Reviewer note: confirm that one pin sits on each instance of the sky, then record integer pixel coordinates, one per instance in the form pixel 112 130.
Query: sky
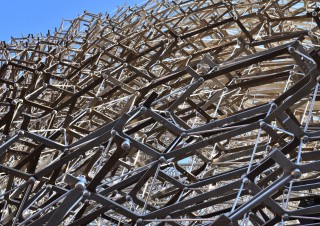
pixel 33 16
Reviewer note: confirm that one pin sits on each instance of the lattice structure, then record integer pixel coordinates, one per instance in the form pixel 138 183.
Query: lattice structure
pixel 170 113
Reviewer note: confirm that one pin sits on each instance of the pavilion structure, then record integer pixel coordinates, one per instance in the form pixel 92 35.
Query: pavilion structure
pixel 192 112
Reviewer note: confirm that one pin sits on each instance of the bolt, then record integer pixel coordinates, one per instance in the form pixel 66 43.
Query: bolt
pixel 14 102
pixel 200 80
pixel 139 221
pixel 66 150
pixel 273 105
pixel 262 124
pixel 183 134
pixel 126 145
pixel 162 159
pixel 246 181
pixel 296 173
pixel 80 186
pixel 32 179
pixel 305 139
pixel 113 132
pixel 291 49
pixel 105 76
pixel 285 216
pixel 86 193
pixel 143 110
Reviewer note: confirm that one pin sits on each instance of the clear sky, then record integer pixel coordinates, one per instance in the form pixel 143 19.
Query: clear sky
pixel 33 16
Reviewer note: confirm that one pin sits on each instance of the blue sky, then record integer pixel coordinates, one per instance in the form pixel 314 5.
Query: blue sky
pixel 33 16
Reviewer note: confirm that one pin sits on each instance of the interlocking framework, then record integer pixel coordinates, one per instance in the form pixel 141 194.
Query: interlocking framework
pixel 178 113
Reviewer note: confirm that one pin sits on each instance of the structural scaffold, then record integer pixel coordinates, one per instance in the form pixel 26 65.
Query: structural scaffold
pixel 193 112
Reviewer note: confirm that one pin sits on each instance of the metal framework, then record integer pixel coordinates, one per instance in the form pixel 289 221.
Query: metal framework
pixel 200 112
